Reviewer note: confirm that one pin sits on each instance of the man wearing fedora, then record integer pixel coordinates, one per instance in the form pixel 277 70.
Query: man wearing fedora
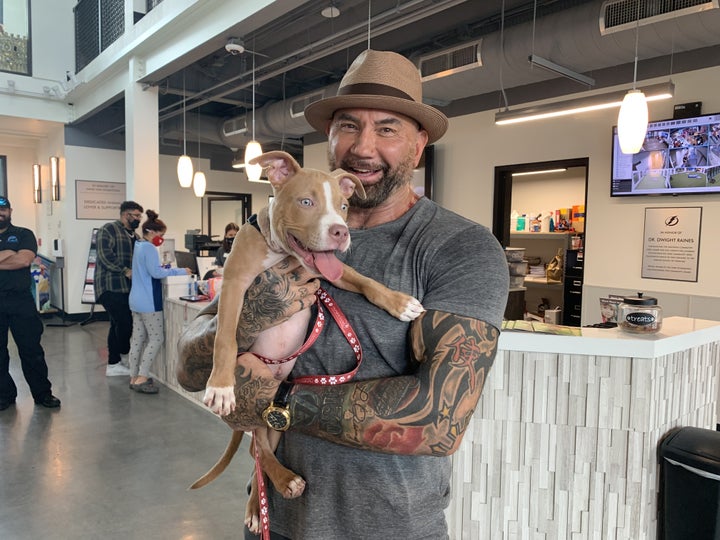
pixel 375 451
pixel 19 315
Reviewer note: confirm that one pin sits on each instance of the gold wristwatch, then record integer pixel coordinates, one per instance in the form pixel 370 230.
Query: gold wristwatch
pixel 277 415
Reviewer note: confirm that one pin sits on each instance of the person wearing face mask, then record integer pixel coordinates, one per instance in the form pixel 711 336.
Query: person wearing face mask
pixel 231 230
pixel 113 274
pixel 146 303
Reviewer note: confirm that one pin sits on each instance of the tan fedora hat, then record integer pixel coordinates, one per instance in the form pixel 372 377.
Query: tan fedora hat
pixel 380 80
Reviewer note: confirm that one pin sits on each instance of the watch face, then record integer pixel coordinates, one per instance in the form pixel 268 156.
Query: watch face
pixel 278 419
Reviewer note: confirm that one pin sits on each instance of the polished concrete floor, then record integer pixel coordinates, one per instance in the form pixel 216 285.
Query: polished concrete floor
pixel 111 463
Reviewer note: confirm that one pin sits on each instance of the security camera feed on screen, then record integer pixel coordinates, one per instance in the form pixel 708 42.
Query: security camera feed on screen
pixel 678 156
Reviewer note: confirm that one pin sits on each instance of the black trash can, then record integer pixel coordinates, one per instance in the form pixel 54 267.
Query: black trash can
pixel 690 485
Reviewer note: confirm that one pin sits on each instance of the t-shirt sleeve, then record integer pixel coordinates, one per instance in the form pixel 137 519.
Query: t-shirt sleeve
pixel 469 276
pixel 28 241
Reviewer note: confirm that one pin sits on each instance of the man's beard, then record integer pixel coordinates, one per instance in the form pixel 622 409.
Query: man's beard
pixel 4 222
pixel 378 193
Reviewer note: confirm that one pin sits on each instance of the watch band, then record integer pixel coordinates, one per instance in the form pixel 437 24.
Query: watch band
pixel 283 394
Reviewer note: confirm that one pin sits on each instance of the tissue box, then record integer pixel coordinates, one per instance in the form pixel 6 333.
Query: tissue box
pixel 177 286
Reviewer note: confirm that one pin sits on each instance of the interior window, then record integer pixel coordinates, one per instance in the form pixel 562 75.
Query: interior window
pixel 15 36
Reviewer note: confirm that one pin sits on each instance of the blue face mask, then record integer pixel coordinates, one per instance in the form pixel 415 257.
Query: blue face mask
pixel 230 240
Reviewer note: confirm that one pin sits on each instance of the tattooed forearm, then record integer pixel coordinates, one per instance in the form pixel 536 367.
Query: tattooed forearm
pixel 426 413
pixel 276 295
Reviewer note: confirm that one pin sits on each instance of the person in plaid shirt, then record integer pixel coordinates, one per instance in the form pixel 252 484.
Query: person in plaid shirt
pixel 113 274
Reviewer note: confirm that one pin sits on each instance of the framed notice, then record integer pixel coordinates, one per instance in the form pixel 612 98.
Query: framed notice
pixel 672 243
pixel 98 200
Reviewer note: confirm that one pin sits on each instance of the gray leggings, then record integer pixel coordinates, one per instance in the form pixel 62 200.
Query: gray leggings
pixel 147 338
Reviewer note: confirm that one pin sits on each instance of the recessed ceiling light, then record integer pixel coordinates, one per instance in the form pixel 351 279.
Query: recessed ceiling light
pixel 330 12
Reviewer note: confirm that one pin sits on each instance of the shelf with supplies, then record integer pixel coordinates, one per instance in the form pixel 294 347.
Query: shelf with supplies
pixel 540 281
pixel 540 248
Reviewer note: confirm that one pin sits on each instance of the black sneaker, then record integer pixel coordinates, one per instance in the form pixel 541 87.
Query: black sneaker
pixel 49 401
pixel 5 403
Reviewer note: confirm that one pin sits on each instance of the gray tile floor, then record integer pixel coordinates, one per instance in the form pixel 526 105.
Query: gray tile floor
pixel 111 463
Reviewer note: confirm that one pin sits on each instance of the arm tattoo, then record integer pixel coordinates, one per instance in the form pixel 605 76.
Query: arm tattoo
pixel 272 299
pixel 424 413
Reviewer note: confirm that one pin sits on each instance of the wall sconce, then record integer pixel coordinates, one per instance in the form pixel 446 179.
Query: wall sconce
pixel 55 178
pixel 37 184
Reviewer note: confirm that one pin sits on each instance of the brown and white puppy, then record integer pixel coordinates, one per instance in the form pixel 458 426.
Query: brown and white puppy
pixel 306 219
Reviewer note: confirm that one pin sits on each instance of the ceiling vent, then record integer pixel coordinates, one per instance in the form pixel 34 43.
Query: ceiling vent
pixel 618 15
pixel 235 126
pixel 450 61
pixel 297 107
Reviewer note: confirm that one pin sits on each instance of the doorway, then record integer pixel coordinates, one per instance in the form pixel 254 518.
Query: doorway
pixel 545 192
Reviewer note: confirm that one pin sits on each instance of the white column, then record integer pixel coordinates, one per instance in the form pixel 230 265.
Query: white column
pixel 142 147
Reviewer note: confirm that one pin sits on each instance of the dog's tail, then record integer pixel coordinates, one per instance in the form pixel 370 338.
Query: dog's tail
pixel 222 463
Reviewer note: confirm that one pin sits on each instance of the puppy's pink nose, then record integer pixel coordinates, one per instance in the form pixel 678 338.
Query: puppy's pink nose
pixel 338 232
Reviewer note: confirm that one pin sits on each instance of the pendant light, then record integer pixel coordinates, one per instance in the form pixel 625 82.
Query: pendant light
pixel 199 182
pixel 253 148
pixel 633 116
pixel 184 165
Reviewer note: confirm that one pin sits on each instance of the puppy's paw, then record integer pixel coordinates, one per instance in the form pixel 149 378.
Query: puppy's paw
pixel 294 488
pixel 221 401
pixel 413 309
pixel 253 523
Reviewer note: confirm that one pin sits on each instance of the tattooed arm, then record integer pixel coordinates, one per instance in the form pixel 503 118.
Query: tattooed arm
pixel 421 414
pixel 275 296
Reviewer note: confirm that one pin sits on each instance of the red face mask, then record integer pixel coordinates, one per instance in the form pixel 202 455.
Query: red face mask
pixel 157 240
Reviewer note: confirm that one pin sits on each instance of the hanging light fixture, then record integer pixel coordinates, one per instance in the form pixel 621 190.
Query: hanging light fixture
pixel 37 184
pixel 253 148
pixel 199 182
pixel 184 165
pixel 55 178
pixel 633 116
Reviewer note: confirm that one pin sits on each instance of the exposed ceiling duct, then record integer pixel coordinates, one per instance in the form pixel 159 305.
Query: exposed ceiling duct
pixel 482 65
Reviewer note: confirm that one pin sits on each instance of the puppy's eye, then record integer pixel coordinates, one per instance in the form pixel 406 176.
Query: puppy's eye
pixel 306 202
pixel 344 207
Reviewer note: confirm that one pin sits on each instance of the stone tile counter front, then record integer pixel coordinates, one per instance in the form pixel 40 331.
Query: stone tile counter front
pixel 563 444
pixel 178 313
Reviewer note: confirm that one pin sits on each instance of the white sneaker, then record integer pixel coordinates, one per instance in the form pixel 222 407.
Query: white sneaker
pixel 125 360
pixel 116 370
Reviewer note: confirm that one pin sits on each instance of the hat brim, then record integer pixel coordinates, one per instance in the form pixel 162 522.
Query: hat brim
pixel 319 113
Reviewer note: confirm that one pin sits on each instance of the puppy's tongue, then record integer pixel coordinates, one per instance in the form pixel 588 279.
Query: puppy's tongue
pixel 327 264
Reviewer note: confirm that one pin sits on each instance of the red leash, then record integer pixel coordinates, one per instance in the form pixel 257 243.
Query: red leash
pixel 349 333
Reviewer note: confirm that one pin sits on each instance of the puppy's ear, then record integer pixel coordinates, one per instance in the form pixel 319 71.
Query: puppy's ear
pixel 280 166
pixel 349 184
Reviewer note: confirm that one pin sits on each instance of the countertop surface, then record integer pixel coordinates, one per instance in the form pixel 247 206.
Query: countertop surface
pixel 676 334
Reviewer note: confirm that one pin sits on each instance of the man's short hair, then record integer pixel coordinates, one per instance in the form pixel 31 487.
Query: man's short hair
pixel 130 205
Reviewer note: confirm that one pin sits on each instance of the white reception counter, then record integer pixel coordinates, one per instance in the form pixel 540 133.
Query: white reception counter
pixel 563 443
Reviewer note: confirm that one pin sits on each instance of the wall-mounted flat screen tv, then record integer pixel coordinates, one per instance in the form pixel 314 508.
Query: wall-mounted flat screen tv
pixel 679 156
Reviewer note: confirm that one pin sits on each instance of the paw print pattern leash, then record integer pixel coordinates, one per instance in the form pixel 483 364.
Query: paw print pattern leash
pixel 325 299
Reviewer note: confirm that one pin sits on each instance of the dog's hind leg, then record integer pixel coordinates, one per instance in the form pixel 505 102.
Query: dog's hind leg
pixel 285 481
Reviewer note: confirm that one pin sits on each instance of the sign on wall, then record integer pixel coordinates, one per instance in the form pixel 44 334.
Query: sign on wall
pixel 98 200
pixel 672 243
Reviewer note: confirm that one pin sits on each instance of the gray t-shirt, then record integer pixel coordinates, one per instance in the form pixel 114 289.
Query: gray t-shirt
pixel 450 264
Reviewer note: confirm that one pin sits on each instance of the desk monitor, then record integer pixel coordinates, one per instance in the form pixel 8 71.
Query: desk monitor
pixel 185 259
